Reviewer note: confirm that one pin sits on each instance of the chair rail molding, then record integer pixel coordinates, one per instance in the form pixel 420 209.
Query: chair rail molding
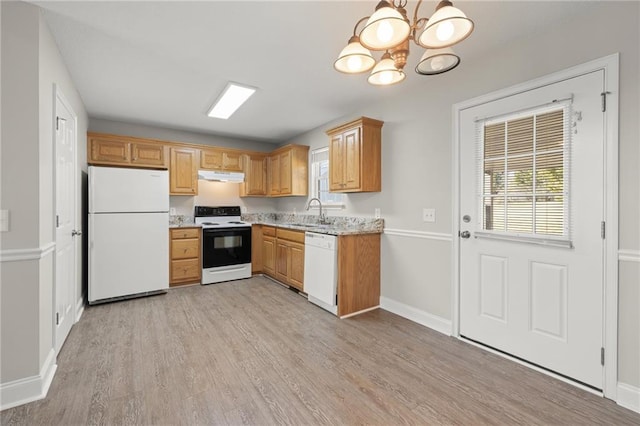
pixel 438 236
pixel 37 253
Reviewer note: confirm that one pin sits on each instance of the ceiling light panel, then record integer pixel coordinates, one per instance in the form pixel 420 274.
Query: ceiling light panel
pixel 233 96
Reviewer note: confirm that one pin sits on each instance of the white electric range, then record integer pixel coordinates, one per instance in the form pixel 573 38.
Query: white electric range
pixel 226 243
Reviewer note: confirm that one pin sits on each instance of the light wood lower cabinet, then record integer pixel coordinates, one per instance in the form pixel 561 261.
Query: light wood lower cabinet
pixel 358 273
pixel 185 251
pixel 269 250
pixel 282 255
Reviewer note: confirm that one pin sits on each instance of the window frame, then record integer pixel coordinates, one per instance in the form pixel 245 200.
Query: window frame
pixel 314 182
pixel 564 240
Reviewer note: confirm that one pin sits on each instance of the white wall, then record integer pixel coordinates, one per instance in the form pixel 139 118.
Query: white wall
pixel 416 159
pixel 31 65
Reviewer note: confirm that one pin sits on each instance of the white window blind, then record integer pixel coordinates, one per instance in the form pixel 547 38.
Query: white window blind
pixel 320 179
pixel 524 162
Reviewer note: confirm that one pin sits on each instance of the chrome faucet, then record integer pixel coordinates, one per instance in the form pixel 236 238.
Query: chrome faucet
pixel 322 218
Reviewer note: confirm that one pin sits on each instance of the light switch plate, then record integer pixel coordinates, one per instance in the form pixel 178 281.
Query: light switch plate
pixel 4 220
pixel 376 213
pixel 172 211
pixel 429 215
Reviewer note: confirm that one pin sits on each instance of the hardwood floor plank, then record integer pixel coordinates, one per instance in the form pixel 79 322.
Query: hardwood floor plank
pixel 252 352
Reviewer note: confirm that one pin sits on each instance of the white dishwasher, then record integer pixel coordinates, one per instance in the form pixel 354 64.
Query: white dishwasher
pixel 321 270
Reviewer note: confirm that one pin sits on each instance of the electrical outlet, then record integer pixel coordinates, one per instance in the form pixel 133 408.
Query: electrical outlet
pixel 172 211
pixel 376 213
pixel 429 215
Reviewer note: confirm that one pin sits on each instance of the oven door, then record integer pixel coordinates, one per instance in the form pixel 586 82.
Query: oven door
pixel 226 246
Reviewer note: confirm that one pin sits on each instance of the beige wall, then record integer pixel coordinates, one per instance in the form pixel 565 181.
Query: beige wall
pixel 31 65
pixel 417 157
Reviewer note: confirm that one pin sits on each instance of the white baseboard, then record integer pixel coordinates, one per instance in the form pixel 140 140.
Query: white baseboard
pixel 628 397
pixel 79 308
pixel 416 315
pixel 29 389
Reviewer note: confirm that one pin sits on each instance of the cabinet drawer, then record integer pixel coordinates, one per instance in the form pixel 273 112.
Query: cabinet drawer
pixel 287 234
pixel 269 230
pixel 185 249
pixel 182 270
pixel 182 233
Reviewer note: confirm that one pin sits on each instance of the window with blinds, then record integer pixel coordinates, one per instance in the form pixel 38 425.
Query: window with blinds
pixel 525 173
pixel 320 179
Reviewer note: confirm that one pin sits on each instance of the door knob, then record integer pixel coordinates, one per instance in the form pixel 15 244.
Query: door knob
pixel 465 234
pixel 75 232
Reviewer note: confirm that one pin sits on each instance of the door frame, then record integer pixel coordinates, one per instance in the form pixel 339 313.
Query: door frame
pixel 59 95
pixel 610 66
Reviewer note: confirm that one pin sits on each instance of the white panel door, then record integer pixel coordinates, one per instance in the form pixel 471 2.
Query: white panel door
pixel 65 201
pixel 113 189
pixel 128 254
pixel 540 299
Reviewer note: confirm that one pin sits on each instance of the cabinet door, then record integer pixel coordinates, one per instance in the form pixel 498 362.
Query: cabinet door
pixel 148 154
pixel 269 255
pixel 255 176
pixel 183 171
pixel 232 161
pixel 285 173
pixel 274 175
pixel 352 153
pixel 296 265
pixel 109 151
pixel 211 159
pixel 336 163
pixel 282 261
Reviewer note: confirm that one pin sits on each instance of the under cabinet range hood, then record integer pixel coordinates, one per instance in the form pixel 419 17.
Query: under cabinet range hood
pixel 216 176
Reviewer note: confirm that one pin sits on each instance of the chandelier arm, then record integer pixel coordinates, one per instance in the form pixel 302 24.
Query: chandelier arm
pixel 415 15
pixel 355 28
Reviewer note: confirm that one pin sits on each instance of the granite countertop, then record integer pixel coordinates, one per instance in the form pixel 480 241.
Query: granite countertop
pixel 337 225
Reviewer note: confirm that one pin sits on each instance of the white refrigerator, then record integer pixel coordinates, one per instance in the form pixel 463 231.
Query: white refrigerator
pixel 128 233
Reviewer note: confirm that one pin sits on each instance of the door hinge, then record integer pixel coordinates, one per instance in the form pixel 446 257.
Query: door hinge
pixel 603 95
pixel 602 356
pixel 603 230
pixel 57 221
pixel 57 318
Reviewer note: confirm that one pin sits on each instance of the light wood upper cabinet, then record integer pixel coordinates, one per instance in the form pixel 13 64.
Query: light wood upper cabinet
pixel 219 159
pixel 126 151
pixel 355 154
pixel 183 171
pixel 288 171
pixel 148 154
pixel 104 150
pixel 255 176
pixel 273 175
pixel 283 172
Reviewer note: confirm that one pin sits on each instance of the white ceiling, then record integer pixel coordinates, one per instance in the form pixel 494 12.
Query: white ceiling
pixel 164 63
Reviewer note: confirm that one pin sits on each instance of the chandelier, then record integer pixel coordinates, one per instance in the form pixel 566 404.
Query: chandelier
pixel 389 30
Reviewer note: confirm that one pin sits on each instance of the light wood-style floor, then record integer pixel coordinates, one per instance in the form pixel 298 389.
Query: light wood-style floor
pixel 253 352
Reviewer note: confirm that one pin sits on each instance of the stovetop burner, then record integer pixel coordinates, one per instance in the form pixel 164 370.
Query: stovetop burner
pixel 237 223
pixel 211 223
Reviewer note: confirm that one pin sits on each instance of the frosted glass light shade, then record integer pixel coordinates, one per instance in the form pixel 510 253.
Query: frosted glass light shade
pixel 354 58
pixel 447 26
pixel 437 61
pixel 385 29
pixel 386 73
